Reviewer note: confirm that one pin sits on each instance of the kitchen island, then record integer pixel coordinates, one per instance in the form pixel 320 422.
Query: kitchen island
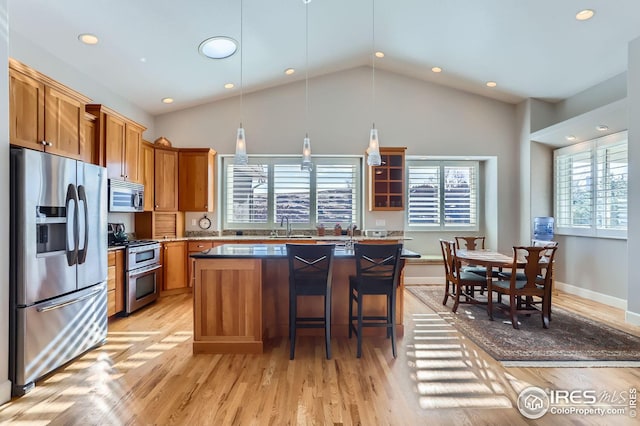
pixel 241 297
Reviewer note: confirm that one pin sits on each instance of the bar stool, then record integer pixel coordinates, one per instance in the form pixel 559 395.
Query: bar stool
pixel 310 267
pixel 377 273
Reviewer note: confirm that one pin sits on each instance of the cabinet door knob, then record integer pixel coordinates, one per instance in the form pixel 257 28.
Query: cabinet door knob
pixel 157 206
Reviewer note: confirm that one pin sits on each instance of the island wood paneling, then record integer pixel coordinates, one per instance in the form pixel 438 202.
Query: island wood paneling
pixel 227 299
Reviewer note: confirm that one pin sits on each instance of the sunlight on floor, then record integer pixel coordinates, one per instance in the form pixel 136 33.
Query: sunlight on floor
pixel 448 373
pixel 97 372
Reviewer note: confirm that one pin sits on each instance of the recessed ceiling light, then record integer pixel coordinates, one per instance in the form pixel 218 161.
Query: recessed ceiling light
pixel 289 71
pixel 167 100
pixel 602 128
pixel 570 138
pixel 436 69
pixel 143 60
pixel 229 86
pixel 218 47
pixel 379 54
pixel 585 15
pixel 88 38
pixel 491 84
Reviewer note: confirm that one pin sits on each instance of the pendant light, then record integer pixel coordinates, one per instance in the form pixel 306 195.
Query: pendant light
pixel 306 143
pixel 373 151
pixel 241 157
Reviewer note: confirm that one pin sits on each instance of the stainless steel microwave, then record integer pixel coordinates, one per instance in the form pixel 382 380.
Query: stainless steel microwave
pixel 125 196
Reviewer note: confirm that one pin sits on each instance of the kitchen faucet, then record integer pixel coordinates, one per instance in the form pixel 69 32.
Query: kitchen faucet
pixel 288 224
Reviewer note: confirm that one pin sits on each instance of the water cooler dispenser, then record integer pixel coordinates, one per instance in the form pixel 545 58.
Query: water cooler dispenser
pixel 543 228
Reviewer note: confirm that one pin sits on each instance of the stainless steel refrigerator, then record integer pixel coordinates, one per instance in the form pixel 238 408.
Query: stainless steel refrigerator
pixel 58 276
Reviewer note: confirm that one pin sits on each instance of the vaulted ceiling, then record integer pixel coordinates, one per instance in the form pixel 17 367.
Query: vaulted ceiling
pixel 148 49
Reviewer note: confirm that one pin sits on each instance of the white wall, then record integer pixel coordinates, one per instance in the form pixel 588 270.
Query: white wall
pixel 48 64
pixel 426 118
pixel 5 385
pixel 633 241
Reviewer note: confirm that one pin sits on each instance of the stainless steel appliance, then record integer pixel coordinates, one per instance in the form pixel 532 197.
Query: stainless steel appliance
pixel 58 258
pixel 125 196
pixel 142 276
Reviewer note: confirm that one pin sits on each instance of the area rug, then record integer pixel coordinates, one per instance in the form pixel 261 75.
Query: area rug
pixel 571 340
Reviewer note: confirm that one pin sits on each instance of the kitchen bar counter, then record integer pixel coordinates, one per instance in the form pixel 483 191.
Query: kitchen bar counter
pixel 241 297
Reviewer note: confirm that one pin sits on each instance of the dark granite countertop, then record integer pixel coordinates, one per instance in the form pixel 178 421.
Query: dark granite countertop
pixel 269 251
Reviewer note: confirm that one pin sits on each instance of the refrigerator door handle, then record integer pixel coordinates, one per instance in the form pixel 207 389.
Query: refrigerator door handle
pixel 72 253
pixel 53 306
pixel 82 253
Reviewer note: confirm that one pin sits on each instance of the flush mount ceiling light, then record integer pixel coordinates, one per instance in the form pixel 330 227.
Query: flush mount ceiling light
pixel 379 54
pixel 88 38
pixel 229 86
pixel 602 128
pixel 585 15
pixel 491 84
pixel 289 71
pixel 218 47
pixel 167 100
pixel 436 69
pixel 570 138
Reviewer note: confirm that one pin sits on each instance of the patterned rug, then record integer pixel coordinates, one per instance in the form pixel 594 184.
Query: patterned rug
pixel 571 339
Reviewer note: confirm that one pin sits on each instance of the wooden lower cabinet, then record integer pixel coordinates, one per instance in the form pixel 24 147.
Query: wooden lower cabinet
pixel 115 282
pixel 227 306
pixel 196 247
pixel 174 266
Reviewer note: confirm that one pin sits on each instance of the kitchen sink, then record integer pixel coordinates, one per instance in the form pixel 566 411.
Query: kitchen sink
pixel 290 237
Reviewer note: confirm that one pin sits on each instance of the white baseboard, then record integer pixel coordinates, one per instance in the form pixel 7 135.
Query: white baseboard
pixel 5 391
pixel 423 280
pixel 632 318
pixel 592 295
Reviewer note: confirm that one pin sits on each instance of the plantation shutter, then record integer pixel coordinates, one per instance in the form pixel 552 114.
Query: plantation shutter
pixel 246 193
pixel 336 193
pixel 612 164
pixel 460 195
pixel 423 195
pixel 291 192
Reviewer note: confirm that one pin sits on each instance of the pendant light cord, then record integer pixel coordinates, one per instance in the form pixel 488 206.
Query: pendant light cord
pixel 306 70
pixel 373 60
pixel 241 56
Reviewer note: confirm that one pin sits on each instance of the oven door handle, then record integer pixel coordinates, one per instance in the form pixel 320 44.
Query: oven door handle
pixel 142 271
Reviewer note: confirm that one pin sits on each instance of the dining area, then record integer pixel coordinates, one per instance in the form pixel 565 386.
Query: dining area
pixel 519 283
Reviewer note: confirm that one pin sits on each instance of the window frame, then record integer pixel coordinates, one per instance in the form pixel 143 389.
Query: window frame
pixel 442 164
pixel 270 161
pixel 593 147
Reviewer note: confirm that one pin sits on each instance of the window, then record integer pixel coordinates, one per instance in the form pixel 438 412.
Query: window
pixel 261 194
pixel 442 195
pixel 590 181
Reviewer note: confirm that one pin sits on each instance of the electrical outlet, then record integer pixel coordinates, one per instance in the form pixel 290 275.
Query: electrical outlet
pixel 381 222
pixel 193 222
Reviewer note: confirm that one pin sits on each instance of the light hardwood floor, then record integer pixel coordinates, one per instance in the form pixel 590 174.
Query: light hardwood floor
pixel 146 374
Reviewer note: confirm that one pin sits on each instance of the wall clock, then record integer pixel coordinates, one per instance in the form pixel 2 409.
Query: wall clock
pixel 204 222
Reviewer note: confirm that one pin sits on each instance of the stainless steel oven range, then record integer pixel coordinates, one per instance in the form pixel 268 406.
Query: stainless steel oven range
pixel 142 274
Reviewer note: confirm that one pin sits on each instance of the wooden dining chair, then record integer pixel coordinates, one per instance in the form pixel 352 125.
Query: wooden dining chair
pixel 459 282
pixel 533 294
pixel 473 243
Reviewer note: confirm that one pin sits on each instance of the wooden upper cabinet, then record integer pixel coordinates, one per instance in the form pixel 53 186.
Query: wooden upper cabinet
pixel 166 180
pixel 114 146
pixel 132 143
pixel 386 181
pixel 147 171
pixel 44 114
pixel 196 167
pixel 118 142
pixel 89 155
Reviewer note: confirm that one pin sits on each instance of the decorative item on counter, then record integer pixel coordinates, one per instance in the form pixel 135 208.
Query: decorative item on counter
pixel 320 229
pixel 337 230
pixel 162 141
